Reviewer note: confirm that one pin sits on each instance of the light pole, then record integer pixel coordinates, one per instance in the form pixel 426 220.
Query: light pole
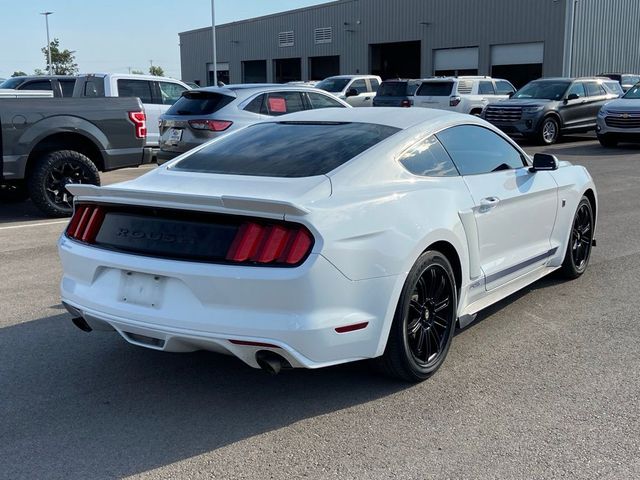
pixel 46 19
pixel 213 35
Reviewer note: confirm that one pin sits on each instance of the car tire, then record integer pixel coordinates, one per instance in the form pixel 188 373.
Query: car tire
pixel 13 192
pixel 608 141
pixel 578 253
pixel 52 172
pixel 549 131
pixel 424 321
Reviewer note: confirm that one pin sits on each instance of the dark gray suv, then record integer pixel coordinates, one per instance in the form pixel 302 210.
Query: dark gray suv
pixel 547 108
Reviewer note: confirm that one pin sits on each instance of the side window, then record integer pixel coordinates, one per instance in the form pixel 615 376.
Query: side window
pixel 170 92
pixel 504 88
pixel 135 88
pixel 281 103
pixel 94 88
pixel 36 85
pixel 374 84
pixel 486 88
pixel 317 100
pixel 594 89
pixel 428 159
pixel 360 86
pixel 477 150
pixel 578 89
pixel 255 105
pixel 67 87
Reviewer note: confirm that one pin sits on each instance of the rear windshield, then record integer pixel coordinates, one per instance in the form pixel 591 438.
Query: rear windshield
pixel 392 89
pixel 286 149
pixel 435 89
pixel 199 103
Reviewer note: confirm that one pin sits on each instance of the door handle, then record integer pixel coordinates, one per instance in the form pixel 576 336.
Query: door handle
pixel 488 203
pixel 367 98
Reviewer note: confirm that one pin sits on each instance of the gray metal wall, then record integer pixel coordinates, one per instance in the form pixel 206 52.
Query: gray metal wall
pixel 606 37
pixel 358 23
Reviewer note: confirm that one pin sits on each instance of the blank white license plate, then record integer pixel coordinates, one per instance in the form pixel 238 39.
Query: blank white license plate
pixel 141 289
pixel 175 135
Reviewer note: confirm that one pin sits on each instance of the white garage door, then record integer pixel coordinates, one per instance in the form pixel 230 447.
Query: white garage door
pixel 517 54
pixel 455 59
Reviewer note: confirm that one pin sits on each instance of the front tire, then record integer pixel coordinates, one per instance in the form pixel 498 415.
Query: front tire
pixel 50 176
pixel 424 322
pixel 549 131
pixel 578 251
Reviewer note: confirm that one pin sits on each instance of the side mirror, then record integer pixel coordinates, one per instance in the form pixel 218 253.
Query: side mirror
pixel 352 92
pixel 544 162
pixel 511 94
pixel 573 96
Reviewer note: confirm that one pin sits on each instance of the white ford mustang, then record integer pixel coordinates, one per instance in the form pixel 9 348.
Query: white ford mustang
pixel 324 237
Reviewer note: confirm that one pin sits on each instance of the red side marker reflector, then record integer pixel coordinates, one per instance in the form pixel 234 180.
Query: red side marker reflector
pixel 253 344
pixel 351 328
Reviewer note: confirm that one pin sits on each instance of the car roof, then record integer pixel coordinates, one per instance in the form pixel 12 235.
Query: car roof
pixel 349 77
pixel 131 76
pixel 43 77
pixel 243 90
pixel 401 118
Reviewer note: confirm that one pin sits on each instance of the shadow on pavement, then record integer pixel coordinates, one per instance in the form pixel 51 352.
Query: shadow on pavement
pixel 77 405
pixel 11 212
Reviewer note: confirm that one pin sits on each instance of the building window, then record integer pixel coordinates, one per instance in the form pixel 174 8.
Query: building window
pixel 285 39
pixel 323 35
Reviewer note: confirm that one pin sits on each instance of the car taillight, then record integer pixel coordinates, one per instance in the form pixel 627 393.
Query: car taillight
pixel 85 223
pixel 270 244
pixel 213 125
pixel 139 120
pixel 405 103
pixel 454 101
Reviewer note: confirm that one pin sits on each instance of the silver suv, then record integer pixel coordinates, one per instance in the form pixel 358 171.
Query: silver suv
pixel 203 114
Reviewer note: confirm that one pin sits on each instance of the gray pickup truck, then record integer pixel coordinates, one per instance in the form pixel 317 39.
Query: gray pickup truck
pixel 46 144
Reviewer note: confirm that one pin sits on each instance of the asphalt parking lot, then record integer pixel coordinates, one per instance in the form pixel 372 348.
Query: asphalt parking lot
pixel 544 385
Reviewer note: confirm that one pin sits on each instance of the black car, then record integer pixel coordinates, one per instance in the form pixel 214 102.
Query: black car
pixel 395 93
pixel 547 108
pixel 60 85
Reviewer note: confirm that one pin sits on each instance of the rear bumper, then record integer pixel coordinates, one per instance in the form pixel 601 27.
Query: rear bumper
pixel 204 306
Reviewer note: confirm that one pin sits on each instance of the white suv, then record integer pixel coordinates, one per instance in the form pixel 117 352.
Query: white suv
pixel 462 94
pixel 356 90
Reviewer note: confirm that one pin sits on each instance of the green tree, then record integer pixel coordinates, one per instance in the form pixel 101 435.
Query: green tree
pixel 37 71
pixel 157 71
pixel 63 62
pixel 19 73
pixel 137 72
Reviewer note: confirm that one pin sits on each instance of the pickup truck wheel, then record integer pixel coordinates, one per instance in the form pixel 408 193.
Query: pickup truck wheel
pixel 549 132
pixel 52 172
pixel 13 192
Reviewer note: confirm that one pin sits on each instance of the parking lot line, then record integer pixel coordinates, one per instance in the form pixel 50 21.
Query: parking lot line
pixel 40 224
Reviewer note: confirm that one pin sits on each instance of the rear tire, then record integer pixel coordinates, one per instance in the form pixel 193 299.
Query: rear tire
pixel 578 253
pixel 424 322
pixel 49 177
pixel 549 131
pixel 608 141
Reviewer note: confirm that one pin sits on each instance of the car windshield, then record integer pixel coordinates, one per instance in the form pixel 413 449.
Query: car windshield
pixel 11 82
pixel 543 90
pixel 333 84
pixel 286 149
pixel 633 93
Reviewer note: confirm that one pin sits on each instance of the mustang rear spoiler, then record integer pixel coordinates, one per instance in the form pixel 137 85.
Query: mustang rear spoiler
pixel 185 201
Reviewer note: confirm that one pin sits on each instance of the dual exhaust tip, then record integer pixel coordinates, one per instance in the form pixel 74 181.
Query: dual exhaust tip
pixel 271 362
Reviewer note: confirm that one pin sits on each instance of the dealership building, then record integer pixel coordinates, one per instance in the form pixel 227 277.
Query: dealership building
pixel 518 40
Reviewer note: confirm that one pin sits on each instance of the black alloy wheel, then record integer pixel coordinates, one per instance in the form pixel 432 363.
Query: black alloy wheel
pixel 580 242
pixel 424 322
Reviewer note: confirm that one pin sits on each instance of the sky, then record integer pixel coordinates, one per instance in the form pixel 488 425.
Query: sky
pixel 113 35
